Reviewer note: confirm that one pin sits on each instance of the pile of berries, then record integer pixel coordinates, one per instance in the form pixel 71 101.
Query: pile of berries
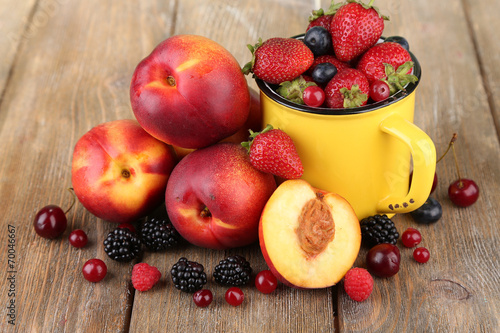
pixel 341 62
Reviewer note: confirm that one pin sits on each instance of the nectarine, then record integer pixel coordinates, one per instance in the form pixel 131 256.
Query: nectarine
pixel 309 238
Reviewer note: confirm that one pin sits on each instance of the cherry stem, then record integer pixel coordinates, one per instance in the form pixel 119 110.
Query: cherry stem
pixel 460 184
pixel 73 201
pixel 453 139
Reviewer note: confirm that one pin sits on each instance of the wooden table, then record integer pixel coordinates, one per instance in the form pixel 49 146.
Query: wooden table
pixel 66 67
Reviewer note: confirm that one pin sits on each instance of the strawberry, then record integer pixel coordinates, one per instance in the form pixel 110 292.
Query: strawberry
pixel 389 62
pixel 279 59
pixel 328 58
pixel 348 89
pixel 355 28
pixel 273 151
pixel 144 276
pixel 294 90
pixel 322 18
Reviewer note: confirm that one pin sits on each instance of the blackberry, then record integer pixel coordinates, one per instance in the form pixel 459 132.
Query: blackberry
pixel 188 276
pixel 378 229
pixel 157 233
pixel 233 271
pixel 122 245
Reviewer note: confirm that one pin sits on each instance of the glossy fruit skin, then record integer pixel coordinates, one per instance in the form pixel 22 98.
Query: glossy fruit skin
pixel 94 270
pixel 321 20
pixel 346 78
pixel 434 182
pixel 313 96
pixel 463 192
pixel 266 282
pixel 339 65
pixel 383 260
pixel 400 40
pixel 203 298
pixel 318 40
pixel 50 222
pixel 128 226
pixel 421 255
pixel 430 212
pixel 78 238
pixel 411 237
pixel 324 72
pixel 379 90
pixel 234 296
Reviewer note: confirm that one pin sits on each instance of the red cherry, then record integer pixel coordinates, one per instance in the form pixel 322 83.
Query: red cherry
pixel 203 298
pixel 78 238
pixel 383 260
pixel 379 90
pixel 313 96
pixel 463 192
pixel 434 182
pixel 234 296
pixel 127 226
pixel 421 255
pixel 411 237
pixel 266 282
pixel 50 222
pixel 94 270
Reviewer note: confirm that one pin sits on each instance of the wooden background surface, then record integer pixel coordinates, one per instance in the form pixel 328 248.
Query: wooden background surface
pixel 66 67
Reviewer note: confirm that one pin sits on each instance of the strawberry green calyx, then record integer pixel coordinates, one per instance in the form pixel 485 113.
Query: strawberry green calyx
pixel 368 6
pixel 334 7
pixel 294 90
pixel 248 144
pixel 249 65
pixel 398 79
pixel 316 14
pixel 353 97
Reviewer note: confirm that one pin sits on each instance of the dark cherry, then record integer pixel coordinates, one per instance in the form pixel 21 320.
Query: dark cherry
pixel 50 222
pixel 383 260
pixel 434 182
pixel 78 238
pixel 400 40
pixel 128 226
pixel 430 212
pixel 379 90
pixel 421 255
pixel 94 270
pixel 203 298
pixel 234 296
pixel 266 282
pixel 318 40
pixel 323 72
pixel 411 237
pixel 463 192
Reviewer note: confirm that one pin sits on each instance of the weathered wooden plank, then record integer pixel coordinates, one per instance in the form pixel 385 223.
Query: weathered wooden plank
pixel 456 290
pixel 71 75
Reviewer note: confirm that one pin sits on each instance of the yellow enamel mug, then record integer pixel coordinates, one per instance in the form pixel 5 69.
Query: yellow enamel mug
pixel 365 154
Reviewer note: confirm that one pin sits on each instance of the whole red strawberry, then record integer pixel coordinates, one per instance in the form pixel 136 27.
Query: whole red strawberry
pixel 321 18
pixel 328 58
pixel 389 62
pixel 279 59
pixel 355 28
pixel 348 89
pixel 144 276
pixel 273 151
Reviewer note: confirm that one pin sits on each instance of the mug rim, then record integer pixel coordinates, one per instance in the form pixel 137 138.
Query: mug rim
pixel 410 88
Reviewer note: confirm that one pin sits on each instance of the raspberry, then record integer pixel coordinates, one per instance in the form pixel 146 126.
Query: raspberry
pixel 358 284
pixel 144 276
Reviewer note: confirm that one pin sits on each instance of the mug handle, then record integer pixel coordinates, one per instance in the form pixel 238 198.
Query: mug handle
pixel 424 165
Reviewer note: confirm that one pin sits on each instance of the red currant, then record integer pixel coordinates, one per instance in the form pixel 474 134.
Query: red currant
pixel 266 282
pixel 127 226
pixel 203 298
pixel 379 90
pixel 78 238
pixel 50 222
pixel 234 296
pixel 94 270
pixel 313 96
pixel 411 237
pixel 463 192
pixel 421 255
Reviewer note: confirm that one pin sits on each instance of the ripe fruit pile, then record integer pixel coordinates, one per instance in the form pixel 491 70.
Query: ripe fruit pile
pixel 342 55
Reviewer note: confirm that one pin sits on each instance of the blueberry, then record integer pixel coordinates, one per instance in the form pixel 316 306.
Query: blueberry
pixel 400 40
pixel 429 212
pixel 324 72
pixel 318 40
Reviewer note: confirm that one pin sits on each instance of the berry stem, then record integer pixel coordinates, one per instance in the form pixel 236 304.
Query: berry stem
pixel 73 200
pixel 371 3
pixel 460 184
pixel 453 139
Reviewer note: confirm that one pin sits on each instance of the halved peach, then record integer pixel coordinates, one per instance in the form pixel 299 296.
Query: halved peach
pixel 309 238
